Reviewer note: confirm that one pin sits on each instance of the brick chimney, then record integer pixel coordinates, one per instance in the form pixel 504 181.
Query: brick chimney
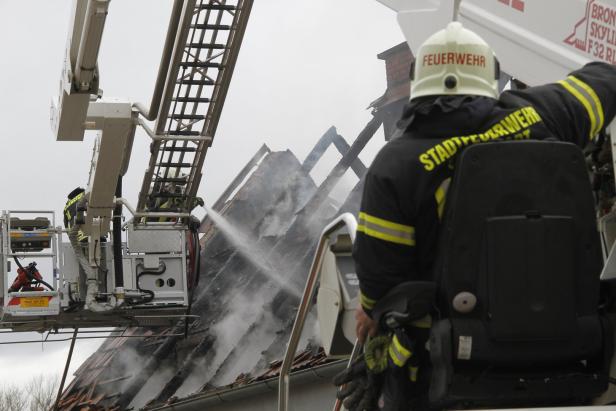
pixel 389 106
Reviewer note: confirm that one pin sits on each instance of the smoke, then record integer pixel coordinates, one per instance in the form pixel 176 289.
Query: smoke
pixel 247 315
pixel 155 384
pixel 246 355
pixel 127 360
pixel 276 220
pixel 344 186
pixel 250 249
pixel 311 334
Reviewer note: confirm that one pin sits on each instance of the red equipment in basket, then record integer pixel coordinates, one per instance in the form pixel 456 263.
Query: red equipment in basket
pixel 25 277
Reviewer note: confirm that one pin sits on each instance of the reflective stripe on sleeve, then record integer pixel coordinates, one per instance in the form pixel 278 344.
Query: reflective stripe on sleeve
pixel 594 99
pixel 366 302
pixel 386 230
pixel 398 353
pixel 589 99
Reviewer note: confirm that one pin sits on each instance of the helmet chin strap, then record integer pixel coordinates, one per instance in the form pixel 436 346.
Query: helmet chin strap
pixel 456 9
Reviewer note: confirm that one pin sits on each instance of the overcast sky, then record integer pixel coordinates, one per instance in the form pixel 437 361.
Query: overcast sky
pixel 305 65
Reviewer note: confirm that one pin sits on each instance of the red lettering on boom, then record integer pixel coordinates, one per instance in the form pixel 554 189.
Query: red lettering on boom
pixel 604 14
pixel 518 5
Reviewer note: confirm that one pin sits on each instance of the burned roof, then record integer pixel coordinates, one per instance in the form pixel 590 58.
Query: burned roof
pixel 247 295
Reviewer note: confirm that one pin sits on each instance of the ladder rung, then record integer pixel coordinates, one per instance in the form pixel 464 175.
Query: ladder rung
pixel 170 180
pixel 174 165
pixel 167 195
pixel 199 64
pixel 183 133
pixel 180 149
pixel 187 116
pixel 191 100
pixel 210 46
pixel 210 27
pixel 164 210
pixel 216 7
pixel 196 82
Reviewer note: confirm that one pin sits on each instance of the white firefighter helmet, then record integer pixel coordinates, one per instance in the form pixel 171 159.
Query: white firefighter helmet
pixel 455 61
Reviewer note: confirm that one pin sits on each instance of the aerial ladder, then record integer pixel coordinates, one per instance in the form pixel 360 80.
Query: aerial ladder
pixel 99 278
pixel 536 42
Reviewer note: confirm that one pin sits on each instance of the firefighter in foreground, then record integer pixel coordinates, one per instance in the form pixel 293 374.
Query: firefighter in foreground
pixel 454 103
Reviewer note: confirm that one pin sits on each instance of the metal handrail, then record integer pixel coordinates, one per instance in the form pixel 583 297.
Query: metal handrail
pixel 346 219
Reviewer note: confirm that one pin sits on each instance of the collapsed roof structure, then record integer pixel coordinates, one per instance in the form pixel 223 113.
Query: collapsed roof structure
pixel 257 244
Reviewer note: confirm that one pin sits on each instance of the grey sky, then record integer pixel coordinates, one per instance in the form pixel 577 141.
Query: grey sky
pixel 304 66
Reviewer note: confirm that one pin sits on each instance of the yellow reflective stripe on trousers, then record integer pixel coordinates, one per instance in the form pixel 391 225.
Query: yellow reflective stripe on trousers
pixel 413 371
pixel 589 99
pixel 423 322
pixel 81 236
pixel 398 353
pixel 366 302
pixel 386 230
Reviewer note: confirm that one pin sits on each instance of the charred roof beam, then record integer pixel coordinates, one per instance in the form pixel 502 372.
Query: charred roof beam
pixel 330 137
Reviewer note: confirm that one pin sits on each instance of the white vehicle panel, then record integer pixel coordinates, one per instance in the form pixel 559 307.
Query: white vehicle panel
pixel 536 41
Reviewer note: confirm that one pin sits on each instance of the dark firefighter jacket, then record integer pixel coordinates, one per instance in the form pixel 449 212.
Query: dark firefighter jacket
pixel 405 187
pixel 70 210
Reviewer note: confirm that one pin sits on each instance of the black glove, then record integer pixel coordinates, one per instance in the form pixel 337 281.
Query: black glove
pixel 376 353
pixel 385 356
pixel 198 201
pixel 358 387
